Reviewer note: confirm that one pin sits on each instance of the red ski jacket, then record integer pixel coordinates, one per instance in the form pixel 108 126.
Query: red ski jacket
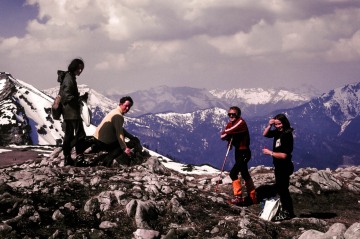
pixel 239 132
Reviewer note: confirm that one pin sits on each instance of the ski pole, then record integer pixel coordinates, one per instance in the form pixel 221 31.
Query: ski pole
pixel 222 169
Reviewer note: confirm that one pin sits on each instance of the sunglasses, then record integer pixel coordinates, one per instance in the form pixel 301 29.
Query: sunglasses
pixel 231 115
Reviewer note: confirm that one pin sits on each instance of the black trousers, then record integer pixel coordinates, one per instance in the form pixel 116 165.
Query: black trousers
pixel 74 137
pixel 282 182
pixel 242 158
pixel 114 150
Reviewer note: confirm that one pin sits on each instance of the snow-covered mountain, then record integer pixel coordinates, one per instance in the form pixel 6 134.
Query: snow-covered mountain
pixel 326 132
pixel 252 102
pixel 326 127
pixel 258 96
pixel 171 99
pixel 25 114
pixel 164 99
pixel 342 105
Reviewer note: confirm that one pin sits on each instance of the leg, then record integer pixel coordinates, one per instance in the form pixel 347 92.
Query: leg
pixel 67 144
pixel 236 183
pixel 282 182
pixel 244 156
pixel 111 156
pixel 79 140
pixel 234 175
pixel 113 150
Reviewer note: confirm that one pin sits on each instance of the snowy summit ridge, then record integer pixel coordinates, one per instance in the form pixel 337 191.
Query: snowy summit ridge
pixel 259 96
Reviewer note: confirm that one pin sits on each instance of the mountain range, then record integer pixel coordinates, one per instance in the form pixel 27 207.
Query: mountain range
pixel 253 101
pixel 184 123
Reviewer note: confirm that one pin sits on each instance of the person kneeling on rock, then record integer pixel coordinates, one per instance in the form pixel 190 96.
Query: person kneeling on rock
pixel 110 135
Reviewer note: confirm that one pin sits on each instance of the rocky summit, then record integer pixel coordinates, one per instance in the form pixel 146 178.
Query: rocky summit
pixel 42 198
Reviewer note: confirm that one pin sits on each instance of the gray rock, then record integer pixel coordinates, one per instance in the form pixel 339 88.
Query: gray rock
pixel 142 211
pixel 92 206
pixel 166 189
pixel 122 200
pixel 311 234
pixel 154 165
pixel 4 228
pixel 146 234
pixel 326 181
pixel 95 181
pixel 177 208
pixel 107 225
pixel 336 231
pixel 353 232
pixel 57 215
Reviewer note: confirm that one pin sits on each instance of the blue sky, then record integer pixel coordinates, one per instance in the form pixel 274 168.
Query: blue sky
pixel 14 17
pixel 213 44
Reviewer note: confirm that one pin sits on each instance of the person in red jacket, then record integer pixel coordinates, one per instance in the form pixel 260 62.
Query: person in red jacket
pixel 236 132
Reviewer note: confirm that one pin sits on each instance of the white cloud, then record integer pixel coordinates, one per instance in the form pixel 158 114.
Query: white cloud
pixel 345 49
pixel 200 43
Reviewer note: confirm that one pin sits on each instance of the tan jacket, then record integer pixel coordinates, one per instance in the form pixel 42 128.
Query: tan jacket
pixel 111 128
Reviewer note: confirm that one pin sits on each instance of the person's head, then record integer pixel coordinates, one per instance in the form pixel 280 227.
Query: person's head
pixel 282 123
pixel 125 104
pixel 76 66
pixel 234 113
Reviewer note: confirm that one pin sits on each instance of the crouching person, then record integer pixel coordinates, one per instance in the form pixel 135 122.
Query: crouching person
pixel 110 134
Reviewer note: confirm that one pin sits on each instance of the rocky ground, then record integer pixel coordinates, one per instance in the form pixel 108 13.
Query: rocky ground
pixel 40 198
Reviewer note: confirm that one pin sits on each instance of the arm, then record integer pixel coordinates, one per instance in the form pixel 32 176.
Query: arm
pixel 286 147
pixel 128 135
pixel 239 127
pixel 273 154
pixel 268 127
pixel 118 122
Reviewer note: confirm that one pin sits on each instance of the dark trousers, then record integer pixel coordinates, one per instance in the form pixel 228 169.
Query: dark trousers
pixel 114 150
pixel 282 182
pixel 242 157
pixel 74 137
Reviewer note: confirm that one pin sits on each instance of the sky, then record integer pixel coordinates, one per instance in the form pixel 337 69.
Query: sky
pixel 131 45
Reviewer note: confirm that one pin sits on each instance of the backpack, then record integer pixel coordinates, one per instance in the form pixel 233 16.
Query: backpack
pixel 56 108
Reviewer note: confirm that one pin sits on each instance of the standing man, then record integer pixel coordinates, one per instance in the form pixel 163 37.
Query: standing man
pixel 110 134
pixel 236 132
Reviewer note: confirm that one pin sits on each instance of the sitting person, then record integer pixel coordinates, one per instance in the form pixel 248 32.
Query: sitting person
pixel 110 135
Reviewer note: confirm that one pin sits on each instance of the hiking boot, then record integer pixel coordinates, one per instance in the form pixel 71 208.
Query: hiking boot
pixel 283 215
pixel 81 162
pixel 250 188
pixel 236 184
pixel 238 201
pixel 68 161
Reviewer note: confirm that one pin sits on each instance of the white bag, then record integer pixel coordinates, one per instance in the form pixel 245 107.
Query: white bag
pixel 271 207
pixel 85 113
